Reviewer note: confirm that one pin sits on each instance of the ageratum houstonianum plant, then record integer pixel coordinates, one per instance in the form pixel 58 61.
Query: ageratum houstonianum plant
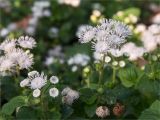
pixel 107 37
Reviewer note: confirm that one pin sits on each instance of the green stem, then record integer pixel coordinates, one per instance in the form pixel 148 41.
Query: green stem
pixel 44 105
pixel 101 71
pixel 88 82
pixel 114 76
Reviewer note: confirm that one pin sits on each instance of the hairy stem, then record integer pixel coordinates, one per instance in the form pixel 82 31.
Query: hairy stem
pixel 101 71
pixel 44 104
pixel 114 75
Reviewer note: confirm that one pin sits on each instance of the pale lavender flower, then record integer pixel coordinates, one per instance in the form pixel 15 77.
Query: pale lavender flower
pixel 26 42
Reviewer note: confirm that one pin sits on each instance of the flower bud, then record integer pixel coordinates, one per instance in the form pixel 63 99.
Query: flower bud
pixel 102 111
pixel 118 109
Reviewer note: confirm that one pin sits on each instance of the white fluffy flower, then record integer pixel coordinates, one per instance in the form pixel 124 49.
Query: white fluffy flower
pixel 36 93
pixel 15 54
pixel 151 37
pixel 24 82
pixel 101 46
pixel 8 45
pixel 25 60
pixel 26 42
pixel 37 81
pixel 54 79
pixel 133 51
pixel 85 33
pixel 109 34
pixel 154 29
pixel 54 92
pixel 6 63
pixel 21 58
pixel 69 95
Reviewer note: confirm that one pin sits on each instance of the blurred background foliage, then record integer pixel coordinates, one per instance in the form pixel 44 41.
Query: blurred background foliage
pixel 65 20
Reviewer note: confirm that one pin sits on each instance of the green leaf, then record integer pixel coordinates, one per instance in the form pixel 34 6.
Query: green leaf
pixel 152 113
pixel 88 95
pixel 15 102
pixel 90 110
pixel 133 11
pixel 149 87
pixel 5 117
pixel 56 116
pixel 26 113
pixel 129 76
pixel 66 111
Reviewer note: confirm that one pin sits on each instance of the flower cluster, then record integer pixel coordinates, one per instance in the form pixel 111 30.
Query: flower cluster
pixel 37 81
pixel 69 95
pixel 78 60
pixel 151 37
pixel 134 52
pixel 107 36
pixel 16 54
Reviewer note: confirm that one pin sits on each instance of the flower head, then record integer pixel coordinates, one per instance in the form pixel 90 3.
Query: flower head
pixel 6 63
pixel 85 33
pixel 25 61
pixel 37 81
pixel 69 95
pixel 8 45
pixel 26 42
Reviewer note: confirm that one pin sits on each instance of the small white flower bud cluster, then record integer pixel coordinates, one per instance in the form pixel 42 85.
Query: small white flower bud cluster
pixel 108 60
pixel 120 63
pixel 16 54
pixel 36 81
pixel 78 60
pixel 69 95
